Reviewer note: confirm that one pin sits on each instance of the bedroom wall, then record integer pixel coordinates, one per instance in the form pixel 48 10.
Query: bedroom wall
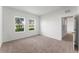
pixel 51 24
pixel 9 24
pixel 0 26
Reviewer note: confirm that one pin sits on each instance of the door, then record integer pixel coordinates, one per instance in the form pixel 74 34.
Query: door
pixel 77 32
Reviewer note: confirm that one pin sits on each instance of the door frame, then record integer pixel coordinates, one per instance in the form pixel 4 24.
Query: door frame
pixel 64 26
pixel 76 39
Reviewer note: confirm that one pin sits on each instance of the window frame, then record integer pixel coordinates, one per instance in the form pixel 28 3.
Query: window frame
pixel 15 24
pixel 32 18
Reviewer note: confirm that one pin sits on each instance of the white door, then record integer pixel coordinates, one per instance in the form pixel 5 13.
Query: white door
pixel 77 31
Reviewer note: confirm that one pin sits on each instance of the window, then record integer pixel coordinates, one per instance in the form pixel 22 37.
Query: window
pixel 31 25
pixel 19 24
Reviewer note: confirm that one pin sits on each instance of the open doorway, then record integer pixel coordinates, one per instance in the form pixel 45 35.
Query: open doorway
pixel 67 28
pixel 70 26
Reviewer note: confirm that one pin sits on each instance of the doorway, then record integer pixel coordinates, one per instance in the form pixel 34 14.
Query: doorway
pixel 67 28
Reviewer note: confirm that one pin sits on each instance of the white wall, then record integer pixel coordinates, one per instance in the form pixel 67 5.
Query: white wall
pixel 9 24
pixel 0 26
pixel 51 25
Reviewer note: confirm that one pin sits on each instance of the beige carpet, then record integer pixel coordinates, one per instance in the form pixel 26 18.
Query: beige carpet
pixel 37 44
pixel 68 37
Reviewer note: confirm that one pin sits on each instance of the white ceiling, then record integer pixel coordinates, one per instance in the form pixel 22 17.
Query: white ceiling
pixel 38 10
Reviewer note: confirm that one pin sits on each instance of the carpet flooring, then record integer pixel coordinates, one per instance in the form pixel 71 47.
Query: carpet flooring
pixel 37 44
pixel 68 37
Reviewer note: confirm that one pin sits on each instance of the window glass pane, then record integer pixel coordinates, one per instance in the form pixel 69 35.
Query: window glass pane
pixel 31 25
pixel 19 24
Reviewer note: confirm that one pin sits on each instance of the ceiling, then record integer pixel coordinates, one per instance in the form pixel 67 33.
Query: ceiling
pixel 37 10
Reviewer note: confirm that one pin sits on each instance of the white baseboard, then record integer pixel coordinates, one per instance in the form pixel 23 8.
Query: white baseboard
pixel 51 36
pixel 20 38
